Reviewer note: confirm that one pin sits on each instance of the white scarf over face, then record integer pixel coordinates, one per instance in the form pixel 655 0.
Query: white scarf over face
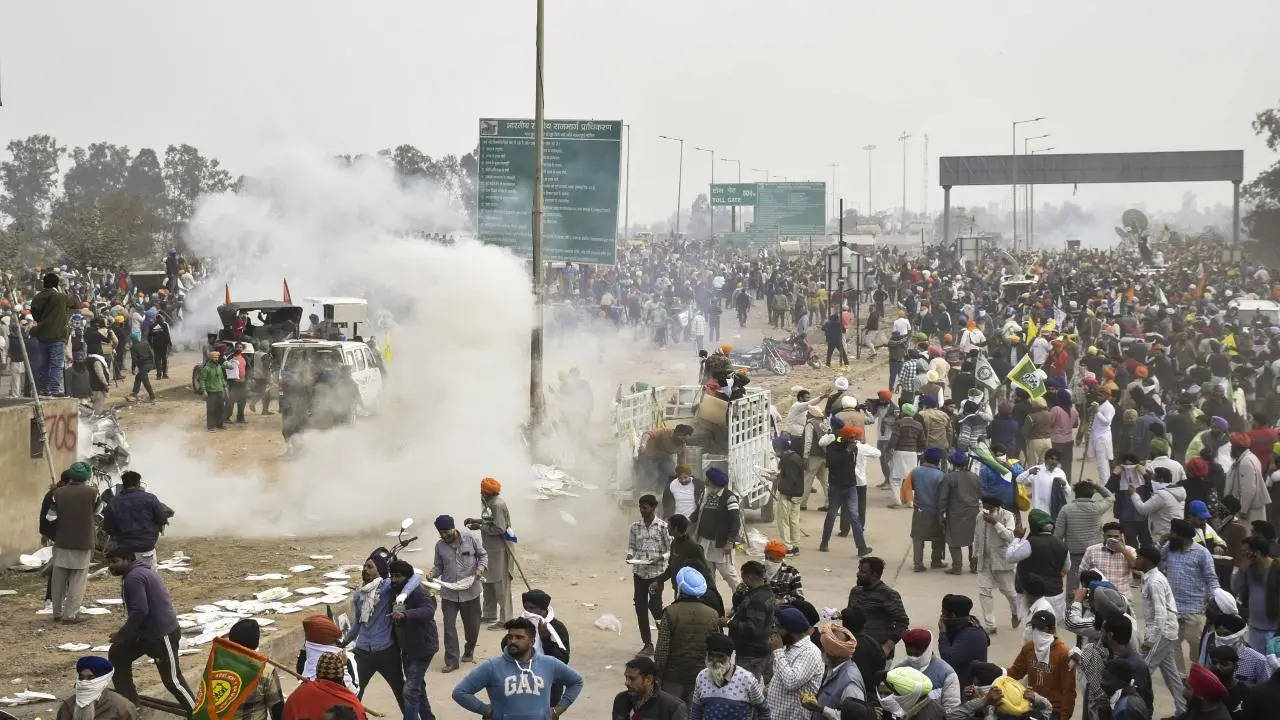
pixel 537 620
pixel 1042 641
pixel 314 651
pixel 87 694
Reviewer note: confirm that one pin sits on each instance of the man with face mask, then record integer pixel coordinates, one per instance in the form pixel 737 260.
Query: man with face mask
pixel 1045 662
pixel 1190 570
pixel 94 699
pixel 905 694
pixel 413 619
pixel 997 696
pixel 1232 630
pixel 946 684
pixel 552 637
pixel 724 691
pixel 460 561
pixel 518 682
pixel 1123 701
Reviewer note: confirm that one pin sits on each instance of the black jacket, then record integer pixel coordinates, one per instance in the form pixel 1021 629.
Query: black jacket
pixel 719 517
pixel 661 706
pixel 134 519
pixel 48 528
pixel 416 633
pixel 842 460
pixel 791 474
pixel 886 616
pixel 752 622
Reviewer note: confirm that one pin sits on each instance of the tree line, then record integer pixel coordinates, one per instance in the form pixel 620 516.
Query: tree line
pixel 113 207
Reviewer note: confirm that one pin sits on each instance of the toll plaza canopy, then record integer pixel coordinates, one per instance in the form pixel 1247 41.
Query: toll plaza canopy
pixel 1048 169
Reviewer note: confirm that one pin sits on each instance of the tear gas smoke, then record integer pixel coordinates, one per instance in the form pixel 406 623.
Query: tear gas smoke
pixel 455 396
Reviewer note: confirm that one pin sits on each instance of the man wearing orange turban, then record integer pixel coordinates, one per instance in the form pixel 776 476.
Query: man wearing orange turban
pixel 494 525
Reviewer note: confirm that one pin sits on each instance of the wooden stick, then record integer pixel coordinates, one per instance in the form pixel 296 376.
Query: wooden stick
pixel 512 551
pixel 299 678
pixel 161 705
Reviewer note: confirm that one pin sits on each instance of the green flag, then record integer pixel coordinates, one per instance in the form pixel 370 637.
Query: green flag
pixel 231 673
pixel 1025 375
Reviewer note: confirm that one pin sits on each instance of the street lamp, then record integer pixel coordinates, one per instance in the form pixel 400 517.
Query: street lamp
pixel 679 178
pixel 868 148
pixel 739 162
pixel 732 209
pixel 1014 153
pixel 711 223
pixel 1031 203
pixel 903 139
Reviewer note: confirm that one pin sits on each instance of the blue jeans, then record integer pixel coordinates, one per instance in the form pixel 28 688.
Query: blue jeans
pixel 49 371
pixel 846 497
pixel 416 704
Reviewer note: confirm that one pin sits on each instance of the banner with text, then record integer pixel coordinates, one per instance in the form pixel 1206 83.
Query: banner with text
pixel 581 163
pixel 733 193
pixel 797 208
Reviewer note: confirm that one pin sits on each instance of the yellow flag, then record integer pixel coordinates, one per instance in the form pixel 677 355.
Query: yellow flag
pixel 386 349
pixel 1032 330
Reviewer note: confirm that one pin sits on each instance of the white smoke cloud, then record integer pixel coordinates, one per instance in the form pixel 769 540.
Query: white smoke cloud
pixel 457 388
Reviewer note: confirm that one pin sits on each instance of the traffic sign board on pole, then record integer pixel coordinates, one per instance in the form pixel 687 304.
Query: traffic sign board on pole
pixel 582 160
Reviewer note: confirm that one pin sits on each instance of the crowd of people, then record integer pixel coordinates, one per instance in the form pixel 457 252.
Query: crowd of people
pixel 80 329
pixel 1096 441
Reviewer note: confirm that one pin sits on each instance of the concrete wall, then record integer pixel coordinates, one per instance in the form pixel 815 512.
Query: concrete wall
pixel 24 479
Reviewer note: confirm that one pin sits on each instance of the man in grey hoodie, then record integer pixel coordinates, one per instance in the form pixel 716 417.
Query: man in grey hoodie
pixel 519 681
pixel 150 628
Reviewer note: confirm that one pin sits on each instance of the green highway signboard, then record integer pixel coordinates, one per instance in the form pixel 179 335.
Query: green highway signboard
pixel 754 236
pixel 733 193
pixel 797 208
pixel 581 160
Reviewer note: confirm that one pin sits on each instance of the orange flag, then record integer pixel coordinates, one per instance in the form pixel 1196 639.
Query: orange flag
pixel 228 289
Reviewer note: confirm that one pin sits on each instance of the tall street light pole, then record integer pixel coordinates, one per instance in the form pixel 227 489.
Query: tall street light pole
pixel 1026 192
pixel 1031 205
pixel 679 178
pixel 711 222
pixel 868 148
pixel 626 213
pixel 733 209
pixel 1013 150
pixel 834 167
pixel 903 139
pixel 536 404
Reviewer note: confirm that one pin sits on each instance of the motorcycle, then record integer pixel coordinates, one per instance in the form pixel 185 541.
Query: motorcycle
pixel 764 357
pixel 777 356
pixel 796 350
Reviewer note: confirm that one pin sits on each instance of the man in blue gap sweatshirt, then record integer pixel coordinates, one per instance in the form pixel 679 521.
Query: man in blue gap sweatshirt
pixel 518 681
pixel 150 628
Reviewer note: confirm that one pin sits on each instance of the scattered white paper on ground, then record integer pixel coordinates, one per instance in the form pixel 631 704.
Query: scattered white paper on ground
pixel 74 647
pixel 267 576
pixel 100 648
pixel 4 593
pixel 110 601
pixel 95 611
pixel 569 519
pixel 609 621
pixel 333 599
pixel 321 557
pixel 309 590
pixel 308 602
pixel 275 593
pixel 337 575
pixel 301 568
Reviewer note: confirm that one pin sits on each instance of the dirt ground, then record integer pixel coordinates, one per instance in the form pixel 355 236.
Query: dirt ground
pixel 585 580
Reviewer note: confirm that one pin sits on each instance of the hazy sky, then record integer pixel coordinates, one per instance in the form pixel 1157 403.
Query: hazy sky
pixel 790 87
